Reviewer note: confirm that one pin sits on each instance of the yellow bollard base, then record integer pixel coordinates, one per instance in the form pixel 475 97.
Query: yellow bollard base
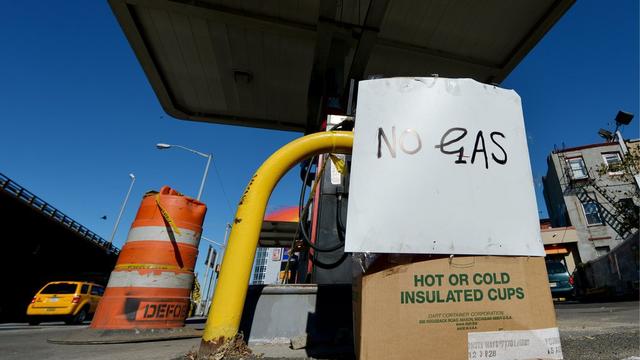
pixel 225 348
pixel 209 348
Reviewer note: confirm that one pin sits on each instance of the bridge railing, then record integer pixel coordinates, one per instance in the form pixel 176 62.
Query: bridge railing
pixel 11 187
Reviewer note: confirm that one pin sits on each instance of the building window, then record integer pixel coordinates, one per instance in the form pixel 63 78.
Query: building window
pixel 602 250
pixel 592 213
pixel 258 278
pixel 260 267
pixel 578 168
pixel 613 161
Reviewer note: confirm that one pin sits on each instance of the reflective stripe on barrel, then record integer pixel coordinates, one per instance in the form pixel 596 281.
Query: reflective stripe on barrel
pixel 157 247
pixel 151 278
pixel 161 233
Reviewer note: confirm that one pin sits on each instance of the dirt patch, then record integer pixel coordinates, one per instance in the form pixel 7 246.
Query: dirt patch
pixel 610 346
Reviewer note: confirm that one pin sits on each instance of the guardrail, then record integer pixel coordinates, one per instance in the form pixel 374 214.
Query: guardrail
pixel 11 187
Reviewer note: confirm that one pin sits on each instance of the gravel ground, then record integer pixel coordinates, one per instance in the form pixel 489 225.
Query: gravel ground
pixel 609 346
pixel 599 331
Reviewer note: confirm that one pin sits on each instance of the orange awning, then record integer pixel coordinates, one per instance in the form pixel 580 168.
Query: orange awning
pixel 290 214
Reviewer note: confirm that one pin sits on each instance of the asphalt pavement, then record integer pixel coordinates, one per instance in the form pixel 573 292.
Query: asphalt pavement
pixel 590 331
pixel 599 331
pixel 21 341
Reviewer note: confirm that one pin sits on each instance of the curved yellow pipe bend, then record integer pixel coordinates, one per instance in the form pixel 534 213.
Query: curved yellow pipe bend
pixel 231 291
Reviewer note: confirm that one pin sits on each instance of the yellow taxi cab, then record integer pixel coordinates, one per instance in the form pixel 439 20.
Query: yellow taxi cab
pixel 71 301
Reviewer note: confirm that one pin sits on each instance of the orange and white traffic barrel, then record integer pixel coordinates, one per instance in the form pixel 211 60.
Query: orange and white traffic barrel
pixel 151 283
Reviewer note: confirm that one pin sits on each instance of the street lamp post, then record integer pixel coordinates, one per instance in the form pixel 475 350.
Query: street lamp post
pixel 163 146
pixel 124 203
pixel 210 252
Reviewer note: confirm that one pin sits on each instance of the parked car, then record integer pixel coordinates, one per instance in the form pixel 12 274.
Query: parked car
pixel 71 301
pixel 560 281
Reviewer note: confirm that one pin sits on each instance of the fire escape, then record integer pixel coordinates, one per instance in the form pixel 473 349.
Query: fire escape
pixel 618 213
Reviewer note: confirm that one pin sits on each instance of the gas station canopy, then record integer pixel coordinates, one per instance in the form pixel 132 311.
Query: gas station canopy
pixel 277 63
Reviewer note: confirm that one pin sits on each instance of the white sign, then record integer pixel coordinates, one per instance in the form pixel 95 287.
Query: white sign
pixel 275 255
pixel 517 344
pixel 441 166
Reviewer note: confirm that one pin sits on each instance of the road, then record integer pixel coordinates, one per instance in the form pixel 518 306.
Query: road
pixel 21 341
pixel 596 331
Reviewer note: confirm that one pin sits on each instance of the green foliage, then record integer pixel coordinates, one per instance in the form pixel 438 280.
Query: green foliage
pixel 628 166
pixel 625 204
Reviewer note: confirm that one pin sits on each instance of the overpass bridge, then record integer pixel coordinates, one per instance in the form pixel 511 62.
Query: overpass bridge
pixel 41 243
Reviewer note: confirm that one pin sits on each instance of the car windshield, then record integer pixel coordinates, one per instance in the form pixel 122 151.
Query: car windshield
pixel 60 288
pixel 555 268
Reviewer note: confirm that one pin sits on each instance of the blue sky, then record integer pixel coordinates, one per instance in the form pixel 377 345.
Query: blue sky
pixel 78 113
pixel 574 82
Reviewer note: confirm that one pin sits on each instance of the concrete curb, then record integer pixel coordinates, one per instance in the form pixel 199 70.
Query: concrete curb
pixel 95 336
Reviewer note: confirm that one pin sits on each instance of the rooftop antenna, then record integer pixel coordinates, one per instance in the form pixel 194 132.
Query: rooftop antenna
pixel 622 118
pixel 607 135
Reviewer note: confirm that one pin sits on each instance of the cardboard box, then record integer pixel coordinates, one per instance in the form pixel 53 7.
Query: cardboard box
pixel 467 307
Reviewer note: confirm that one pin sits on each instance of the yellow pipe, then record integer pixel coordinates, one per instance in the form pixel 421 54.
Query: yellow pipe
pixel 231 290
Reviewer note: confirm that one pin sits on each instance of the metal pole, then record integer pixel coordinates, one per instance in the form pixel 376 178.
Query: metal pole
pixel 204 177
pixel 206 169
pixel 224 319
pixel 126 198
pixel 222 248
pixel 621 142
pixel 205 288
pixel 207 303
pixel 213 273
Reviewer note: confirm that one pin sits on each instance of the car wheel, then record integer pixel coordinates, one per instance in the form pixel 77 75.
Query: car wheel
pixel 34 321
pixel 79 318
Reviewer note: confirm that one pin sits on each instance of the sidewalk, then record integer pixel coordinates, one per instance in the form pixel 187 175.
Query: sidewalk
pixel 589 332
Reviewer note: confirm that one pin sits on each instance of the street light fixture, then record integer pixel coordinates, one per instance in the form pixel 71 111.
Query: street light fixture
pixel 213 242
pixel 162 146
pixel 124 203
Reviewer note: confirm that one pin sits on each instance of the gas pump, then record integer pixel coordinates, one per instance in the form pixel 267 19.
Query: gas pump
pixel 323 230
